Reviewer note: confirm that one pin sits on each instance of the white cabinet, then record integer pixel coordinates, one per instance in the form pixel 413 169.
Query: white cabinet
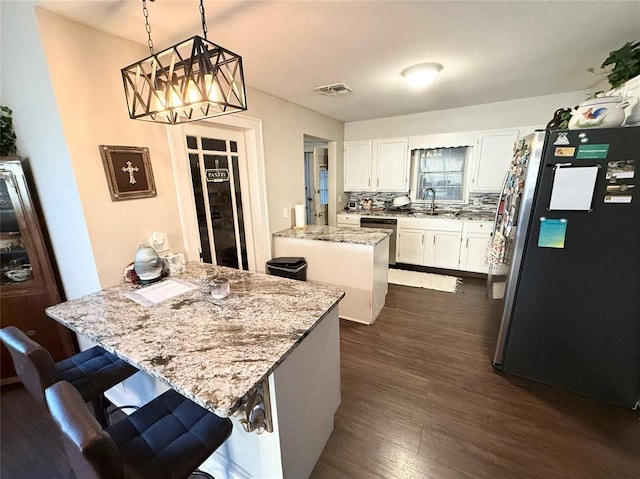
pixel 410 246
pixel 358 165
pixel 429 242
pixel 445 250
pixel 443 243
pixel 494 150
pixel 473 251
pixel 392 165
pixel 345 220
pixel 376 165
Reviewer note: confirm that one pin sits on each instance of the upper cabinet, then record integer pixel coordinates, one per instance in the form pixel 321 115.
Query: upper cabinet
pixel 358 157
pixel 494 150
pixel 376 165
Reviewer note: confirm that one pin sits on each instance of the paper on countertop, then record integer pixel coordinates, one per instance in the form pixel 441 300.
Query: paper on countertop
pixel 573 188
pixel 159 292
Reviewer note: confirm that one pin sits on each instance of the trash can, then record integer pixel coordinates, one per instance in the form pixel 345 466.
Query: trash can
pixel 288 267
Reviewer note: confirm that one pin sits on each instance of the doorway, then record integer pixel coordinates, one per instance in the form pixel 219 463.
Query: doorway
pixel 316 180
pixel 217 195
pixel 221 186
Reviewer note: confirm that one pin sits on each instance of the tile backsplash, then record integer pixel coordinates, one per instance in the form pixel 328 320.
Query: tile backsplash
pixel 478 202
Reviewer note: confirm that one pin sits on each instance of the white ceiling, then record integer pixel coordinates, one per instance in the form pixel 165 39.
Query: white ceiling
pixel 491 51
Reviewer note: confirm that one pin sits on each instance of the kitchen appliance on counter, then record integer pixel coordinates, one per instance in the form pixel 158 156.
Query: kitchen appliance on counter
pixel 565 272
pixel 390 224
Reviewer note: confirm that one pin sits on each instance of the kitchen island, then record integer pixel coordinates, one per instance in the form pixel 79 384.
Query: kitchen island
pixel 272 344
pixel 352 259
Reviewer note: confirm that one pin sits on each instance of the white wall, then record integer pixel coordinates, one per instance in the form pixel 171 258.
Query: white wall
pixel 63 81
pixel 506 114
pixel 84 65
pixel 26 88
pixel 284 127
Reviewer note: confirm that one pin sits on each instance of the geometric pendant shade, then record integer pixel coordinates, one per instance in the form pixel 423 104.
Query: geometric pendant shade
pixel 189 81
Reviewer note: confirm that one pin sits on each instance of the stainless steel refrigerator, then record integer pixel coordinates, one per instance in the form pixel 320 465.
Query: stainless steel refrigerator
pixel 564 281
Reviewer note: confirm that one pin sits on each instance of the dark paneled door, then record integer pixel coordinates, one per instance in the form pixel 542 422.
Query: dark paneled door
pixel 215 177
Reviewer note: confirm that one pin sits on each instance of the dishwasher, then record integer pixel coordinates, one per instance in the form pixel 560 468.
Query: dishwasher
pixel 390 224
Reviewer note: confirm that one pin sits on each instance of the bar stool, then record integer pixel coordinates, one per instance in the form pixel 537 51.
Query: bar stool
pixel 91 372
pixel 167 438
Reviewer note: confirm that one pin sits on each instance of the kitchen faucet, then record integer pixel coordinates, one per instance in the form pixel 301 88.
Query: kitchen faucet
pixel 433 197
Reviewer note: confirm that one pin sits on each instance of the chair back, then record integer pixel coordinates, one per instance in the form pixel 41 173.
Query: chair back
pixel 32 362
pixel 91 451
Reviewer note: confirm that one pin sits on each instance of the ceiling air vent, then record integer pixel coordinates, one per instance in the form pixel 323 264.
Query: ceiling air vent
pixel 334 89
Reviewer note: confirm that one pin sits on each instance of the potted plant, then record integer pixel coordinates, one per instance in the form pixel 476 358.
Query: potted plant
pixel 7 136
pixel 626 64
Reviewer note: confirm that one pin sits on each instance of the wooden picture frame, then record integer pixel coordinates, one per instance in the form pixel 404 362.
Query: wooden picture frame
pixel 128 170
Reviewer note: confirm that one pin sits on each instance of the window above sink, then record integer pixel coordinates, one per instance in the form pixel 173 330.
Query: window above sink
pixel 440 170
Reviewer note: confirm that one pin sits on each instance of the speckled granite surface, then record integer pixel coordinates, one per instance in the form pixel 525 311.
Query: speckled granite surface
pixel 213 353
pixel 365 236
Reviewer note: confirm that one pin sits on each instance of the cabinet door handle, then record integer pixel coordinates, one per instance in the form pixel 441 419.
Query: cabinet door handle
pixel 422 239
pixel 467 245
pixel 434 240
pixel 378 182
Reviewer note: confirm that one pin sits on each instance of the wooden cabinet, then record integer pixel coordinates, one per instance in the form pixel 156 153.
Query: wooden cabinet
pixel 473 250
pixel 429 242
pixel 492 157
pixel 28 283
pixel 376 165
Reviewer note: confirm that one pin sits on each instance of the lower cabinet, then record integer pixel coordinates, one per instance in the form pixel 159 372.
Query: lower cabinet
pixel 445 249
pixel 410 246
pixel 473 250
pixel 429 242
pixel 448 244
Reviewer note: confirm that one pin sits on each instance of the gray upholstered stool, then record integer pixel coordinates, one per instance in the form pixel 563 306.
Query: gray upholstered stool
pixel 92 372
pixel 167 438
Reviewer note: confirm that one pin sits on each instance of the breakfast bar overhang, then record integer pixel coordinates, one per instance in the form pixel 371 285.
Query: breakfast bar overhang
pixel 275 336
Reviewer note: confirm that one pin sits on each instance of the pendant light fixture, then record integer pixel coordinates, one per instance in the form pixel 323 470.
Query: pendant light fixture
pixel 189 81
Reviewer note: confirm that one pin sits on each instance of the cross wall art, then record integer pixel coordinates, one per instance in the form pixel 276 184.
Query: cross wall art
pixel 128 171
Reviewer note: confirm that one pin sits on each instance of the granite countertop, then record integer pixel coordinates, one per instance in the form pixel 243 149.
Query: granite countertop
pixel 215 353
pixel 442 214
pixel 364 236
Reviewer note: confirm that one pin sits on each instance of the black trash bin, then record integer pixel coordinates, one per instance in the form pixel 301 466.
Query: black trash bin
pixel 292 267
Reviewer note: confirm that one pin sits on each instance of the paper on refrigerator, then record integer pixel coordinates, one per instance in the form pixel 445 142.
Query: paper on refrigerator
pixel 573 188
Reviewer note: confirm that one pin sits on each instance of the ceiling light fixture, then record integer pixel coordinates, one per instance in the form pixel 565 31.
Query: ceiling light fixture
pixel 191 80
pixel 421 75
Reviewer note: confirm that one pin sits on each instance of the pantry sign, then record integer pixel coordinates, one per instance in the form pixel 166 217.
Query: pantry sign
pixel 217 175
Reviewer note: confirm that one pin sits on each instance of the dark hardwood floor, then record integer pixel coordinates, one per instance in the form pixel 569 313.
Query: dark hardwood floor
pixel 419 400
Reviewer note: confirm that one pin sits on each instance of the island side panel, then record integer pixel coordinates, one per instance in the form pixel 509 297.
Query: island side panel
pixel 380 276
pixel 347 266
pixel 307 395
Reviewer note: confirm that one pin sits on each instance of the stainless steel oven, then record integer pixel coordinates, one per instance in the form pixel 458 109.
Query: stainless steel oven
pixel 384 223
